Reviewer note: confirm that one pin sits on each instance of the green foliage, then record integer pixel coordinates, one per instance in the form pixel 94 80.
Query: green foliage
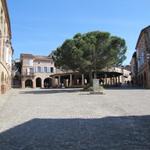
pixel 91 52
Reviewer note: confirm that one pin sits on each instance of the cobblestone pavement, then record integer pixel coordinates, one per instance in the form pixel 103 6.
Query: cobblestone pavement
pixel 68 119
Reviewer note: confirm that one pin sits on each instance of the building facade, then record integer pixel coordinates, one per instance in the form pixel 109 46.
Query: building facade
pixel 6 50
pixel 143 58
pixel 134 69
pixel 40 72
pixel 36 71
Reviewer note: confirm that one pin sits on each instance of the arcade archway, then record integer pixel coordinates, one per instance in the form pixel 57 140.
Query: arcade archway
pixel 38 82
pixel 48 83
pixel 29 83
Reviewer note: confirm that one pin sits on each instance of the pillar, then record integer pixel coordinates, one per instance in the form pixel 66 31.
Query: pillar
pixel 105 79
pixel 53 81
pixel 113 82
pixel 59 82
pixel 70 84
pixel 66 82
pixel 23 84
pixel 42 83
pixel 82 79
pixel 110 80
pixel 34 83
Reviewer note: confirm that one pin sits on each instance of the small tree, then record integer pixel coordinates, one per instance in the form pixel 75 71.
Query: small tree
pixel 91 52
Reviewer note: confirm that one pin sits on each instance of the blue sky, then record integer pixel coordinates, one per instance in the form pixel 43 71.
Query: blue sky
pixel 38 27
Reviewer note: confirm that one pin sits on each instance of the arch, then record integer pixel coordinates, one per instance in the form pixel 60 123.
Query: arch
pixel 38 82
pixel 2 77
pixel 48 83
pixel 29 83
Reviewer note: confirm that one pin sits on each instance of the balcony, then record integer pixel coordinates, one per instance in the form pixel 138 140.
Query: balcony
pixel 27 74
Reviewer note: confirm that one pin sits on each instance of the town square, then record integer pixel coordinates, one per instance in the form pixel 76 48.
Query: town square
pixel 74 75
pixel 72 119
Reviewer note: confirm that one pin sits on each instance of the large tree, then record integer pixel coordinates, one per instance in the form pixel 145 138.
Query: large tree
pixel 91 52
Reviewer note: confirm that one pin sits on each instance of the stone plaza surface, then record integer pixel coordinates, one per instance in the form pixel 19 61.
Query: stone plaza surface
pixel 69 119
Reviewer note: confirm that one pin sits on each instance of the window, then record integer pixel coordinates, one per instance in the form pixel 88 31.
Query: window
pixel 52 69
pixel 39 69
pixel 1 17
pixel 31 70
pixel 141 58
pixel 31 62
pixel 35 69
pixel 45 69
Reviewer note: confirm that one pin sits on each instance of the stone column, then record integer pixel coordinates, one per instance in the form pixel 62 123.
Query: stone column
pixel 53 81
pixel 66 82
pixel 59 84
pixel 34 83
pixel 42 83
pixel 105 79
pixel 23 84
pixel 122 78
pixel 82 79
pixel 70 84
pixel 112 80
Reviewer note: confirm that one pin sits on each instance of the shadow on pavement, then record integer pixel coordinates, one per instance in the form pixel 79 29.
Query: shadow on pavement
pixel 110 133
pixel 50 91
pixel 126 88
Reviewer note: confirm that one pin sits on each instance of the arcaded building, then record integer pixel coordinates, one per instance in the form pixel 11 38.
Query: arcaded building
pixel 40 72
pixel 143 58
pixel 36 71
pixel 6 50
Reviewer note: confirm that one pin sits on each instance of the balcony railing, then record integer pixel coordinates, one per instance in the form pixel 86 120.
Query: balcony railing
pixel 28 74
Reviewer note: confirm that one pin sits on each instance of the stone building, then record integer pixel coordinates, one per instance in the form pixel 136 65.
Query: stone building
pixel 36 71
pixel 40 72
pixel 6 50
pixel 143 58
pixel 134 69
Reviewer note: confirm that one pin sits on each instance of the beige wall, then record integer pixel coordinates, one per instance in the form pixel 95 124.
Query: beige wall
pixel 5 48
pixel 30 71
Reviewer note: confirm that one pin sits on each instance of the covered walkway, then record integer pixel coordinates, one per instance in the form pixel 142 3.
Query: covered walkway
pixel 75 79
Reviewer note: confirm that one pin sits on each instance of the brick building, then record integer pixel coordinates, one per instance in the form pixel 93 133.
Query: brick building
pixel 143 58
pixel 6 50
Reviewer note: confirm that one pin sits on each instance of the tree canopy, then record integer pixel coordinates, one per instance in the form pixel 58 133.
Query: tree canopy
pixel 91 52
